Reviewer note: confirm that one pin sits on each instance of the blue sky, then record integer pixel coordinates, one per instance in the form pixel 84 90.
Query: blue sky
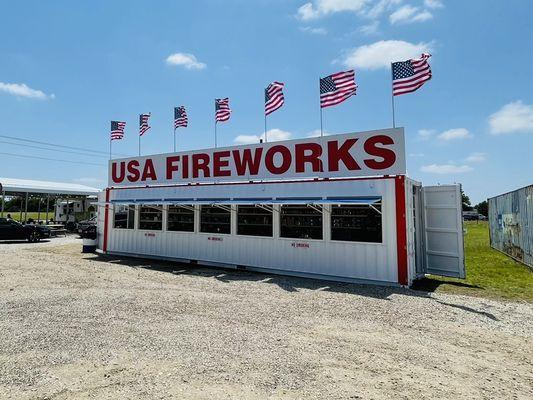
pixel 68 68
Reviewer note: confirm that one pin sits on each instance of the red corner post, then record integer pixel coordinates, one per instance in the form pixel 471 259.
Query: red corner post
pixel 401 229
pixel 106 220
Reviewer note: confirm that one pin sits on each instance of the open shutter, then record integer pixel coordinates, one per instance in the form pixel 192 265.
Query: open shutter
pixel 443 225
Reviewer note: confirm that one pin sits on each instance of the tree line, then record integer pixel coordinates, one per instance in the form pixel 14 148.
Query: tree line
pixel 17 204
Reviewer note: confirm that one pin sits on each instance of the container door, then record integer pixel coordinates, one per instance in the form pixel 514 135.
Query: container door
pixel 443 231
pixel 419 230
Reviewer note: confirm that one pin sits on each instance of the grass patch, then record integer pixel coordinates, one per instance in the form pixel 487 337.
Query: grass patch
pixel 16 215
pixel 489 273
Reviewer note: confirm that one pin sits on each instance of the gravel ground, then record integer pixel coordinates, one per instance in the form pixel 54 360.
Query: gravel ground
pixel 76 326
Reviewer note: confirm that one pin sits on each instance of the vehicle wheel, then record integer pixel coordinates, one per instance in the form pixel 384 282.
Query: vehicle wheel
pixel 34 237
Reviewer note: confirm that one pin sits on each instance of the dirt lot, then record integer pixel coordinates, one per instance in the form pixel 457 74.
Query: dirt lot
pixel 76 326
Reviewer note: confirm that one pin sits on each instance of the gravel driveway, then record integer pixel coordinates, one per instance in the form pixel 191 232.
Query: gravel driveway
pixel 76 326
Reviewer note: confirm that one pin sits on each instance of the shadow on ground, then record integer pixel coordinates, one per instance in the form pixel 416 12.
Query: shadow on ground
pixel 24 241
pixel 431 285
pixel 287 283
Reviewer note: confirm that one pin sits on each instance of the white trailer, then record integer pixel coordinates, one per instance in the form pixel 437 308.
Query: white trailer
pixel 67 210
pixel 380 229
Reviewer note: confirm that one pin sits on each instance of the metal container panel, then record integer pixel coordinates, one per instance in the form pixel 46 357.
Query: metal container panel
pixel 511 224
pixel 335 259
pixel 100 218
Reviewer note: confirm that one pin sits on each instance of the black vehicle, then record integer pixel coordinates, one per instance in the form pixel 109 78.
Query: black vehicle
pixel 13 230
pixel 89 232
pixel 84 224
pixel 470 216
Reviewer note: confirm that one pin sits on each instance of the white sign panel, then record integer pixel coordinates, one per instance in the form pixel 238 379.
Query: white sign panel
pixel 371 153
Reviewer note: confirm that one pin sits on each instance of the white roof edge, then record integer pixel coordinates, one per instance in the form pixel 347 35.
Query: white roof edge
pixel 33 186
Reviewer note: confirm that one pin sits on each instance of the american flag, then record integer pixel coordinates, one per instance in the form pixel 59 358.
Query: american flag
pixel 143 123
pixel 336 88
pixel 117 130
pixel 408 76
pixel 222 110
pixel 180 117
pixel 274 98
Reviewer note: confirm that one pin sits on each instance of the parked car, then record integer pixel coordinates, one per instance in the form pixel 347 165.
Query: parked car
pixel 84 224
pixel 13 230
pixel 470 216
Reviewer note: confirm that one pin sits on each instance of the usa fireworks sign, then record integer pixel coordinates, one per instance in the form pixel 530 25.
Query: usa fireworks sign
pixel 371 153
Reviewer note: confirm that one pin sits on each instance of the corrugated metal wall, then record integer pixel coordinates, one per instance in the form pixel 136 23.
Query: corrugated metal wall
pixel 511 224
pixel 354 260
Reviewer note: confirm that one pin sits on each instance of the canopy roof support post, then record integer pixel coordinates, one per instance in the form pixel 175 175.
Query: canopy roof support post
pixel 21 203
pixel 26 208
pixel 39 211
pixel 3 202
pixel 47 204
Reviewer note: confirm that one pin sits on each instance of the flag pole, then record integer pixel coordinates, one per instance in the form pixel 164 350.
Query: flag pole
pixel 215 123
pixel 174 139
pixel 266 139
pixel 110 140
pixel 264 97
pixel 321 129
pixel 139 144
pixel 392 96
pixel 320 105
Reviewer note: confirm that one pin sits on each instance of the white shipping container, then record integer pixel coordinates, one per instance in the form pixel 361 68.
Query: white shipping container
pixel 421 228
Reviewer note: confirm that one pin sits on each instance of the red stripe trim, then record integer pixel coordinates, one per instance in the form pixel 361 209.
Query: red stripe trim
pixel 106 219
pixel 401 229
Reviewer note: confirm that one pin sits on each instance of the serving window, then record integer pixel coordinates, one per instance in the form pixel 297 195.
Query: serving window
pixel 300 222
pixel 254 221
pixel 356 223
pixel 215 219
pixel 151 217
pixel 180 218
pixel 124 217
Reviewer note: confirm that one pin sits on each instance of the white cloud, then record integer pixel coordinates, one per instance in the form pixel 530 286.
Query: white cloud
pixel 408 14
pixel 402 14
pixel 319 8
pixel 455 134
pixel 379 8
pixel 433 3
pixel 90 181
pixel 22 90
pixel 425 134
pixel 273 135
pixel 422 16
pixel 381 54
pixel 512 118
pixel 444 169
pixel 370 29
pixel 246 139
pixel 316 31
pixel 316 133
pixel 476 157
pixel 186 60
pixel 307 12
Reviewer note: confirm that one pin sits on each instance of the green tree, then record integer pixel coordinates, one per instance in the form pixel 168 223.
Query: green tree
pixel 467 206
pixel 483 208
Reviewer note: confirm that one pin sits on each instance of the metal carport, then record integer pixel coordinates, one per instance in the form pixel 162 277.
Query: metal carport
pixel 26 187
